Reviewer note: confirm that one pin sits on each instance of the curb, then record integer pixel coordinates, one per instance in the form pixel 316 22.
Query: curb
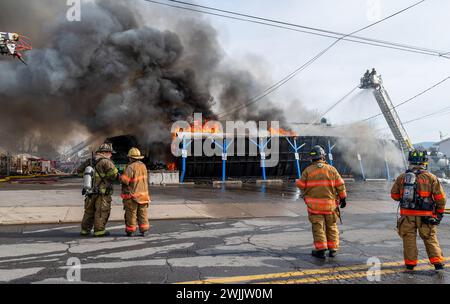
pixel 70 215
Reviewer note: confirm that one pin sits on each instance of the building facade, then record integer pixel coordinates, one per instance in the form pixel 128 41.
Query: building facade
pixel 444 146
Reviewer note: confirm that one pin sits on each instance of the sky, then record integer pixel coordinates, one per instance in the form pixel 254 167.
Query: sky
pixel 338 71
pixel 279 52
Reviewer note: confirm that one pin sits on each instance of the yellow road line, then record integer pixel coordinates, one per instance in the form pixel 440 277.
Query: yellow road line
pixel 282 275
pixel 343 276
pixel 8 178
pixel 18 177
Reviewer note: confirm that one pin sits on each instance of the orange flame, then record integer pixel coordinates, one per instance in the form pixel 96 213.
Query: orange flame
pixel 171 166
pixel 282 132
pixel 212 128
pixel 196 127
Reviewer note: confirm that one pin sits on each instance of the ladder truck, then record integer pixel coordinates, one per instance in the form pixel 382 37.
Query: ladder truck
pixel 371 80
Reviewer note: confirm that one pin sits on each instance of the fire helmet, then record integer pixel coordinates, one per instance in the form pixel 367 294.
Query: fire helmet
pixel 134 153
pixel 105 148
pixel 317 152
pixel 418 157
pixel 15 37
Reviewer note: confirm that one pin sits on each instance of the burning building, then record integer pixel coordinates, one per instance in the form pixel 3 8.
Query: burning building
pixel 246 156
pixel 138 73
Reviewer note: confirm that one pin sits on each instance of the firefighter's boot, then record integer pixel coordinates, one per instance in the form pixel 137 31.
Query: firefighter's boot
pixel 439 266
pixel 332 253
pixel 102 233
pixel 84 233
pixel 320 254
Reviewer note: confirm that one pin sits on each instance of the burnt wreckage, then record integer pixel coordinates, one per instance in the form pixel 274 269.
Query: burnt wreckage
pixel 229 165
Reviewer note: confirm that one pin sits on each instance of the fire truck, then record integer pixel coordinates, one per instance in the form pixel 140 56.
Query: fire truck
pixel 439 163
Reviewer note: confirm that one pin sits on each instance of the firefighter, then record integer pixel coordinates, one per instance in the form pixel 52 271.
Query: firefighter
pixel 135 194
pixel 422 205
pixel 97 207
pixel 366 78
pixel 323 190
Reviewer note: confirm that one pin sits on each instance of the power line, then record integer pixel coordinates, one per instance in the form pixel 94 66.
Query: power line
pixel 441 112
pixel 278 84
pixel 338 102
pixel 410 99
pixel 304 66
pixel 444 111
pixel 329 109
pixel 306 29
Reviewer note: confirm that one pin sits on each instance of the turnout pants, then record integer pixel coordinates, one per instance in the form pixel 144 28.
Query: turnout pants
pixel 135 212
pixel 407 229
pixel 97 209
pixel 325 231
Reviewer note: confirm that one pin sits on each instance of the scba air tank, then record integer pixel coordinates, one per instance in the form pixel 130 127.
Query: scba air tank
pixel 88 179
pixel 409 190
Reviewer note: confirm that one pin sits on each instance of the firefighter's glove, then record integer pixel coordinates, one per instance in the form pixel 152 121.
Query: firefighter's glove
pixel 343 203
pixel 435 221
pixel 439 217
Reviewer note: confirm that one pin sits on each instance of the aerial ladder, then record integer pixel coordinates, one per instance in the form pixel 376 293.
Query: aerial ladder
pixel 439 163
pixel 371 80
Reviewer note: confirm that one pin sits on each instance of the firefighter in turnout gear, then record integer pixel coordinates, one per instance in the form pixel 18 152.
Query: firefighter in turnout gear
pixel 323 190
pixel 97 207
pixel 135 194
pixel 422 205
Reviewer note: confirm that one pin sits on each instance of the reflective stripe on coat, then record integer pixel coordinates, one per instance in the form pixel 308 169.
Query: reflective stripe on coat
pixel 322 186
pixel 135 183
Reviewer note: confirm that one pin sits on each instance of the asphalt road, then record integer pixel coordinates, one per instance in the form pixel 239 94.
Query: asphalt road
pixel 67 192
pixel 275 250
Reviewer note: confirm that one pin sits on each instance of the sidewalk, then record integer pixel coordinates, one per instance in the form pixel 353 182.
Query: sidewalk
pixel 55 215
pixel 70 214
pixel 62 202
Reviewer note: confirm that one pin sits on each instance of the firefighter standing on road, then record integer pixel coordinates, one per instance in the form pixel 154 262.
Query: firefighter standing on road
pixel 135 194
pixel 422 205
pixel 97 206
pixel 323 190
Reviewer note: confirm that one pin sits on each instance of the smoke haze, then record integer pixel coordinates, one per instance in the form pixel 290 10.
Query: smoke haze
pixel 133 68
pixel 113 74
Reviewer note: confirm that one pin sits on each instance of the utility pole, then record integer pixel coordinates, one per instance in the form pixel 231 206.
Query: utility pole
pixel 8 163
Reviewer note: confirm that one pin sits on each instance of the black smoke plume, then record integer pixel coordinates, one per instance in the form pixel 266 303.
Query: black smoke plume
pixel 113 74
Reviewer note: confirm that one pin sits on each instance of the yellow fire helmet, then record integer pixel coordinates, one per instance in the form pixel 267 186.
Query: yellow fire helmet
pixel 15 37
pixel 135 153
